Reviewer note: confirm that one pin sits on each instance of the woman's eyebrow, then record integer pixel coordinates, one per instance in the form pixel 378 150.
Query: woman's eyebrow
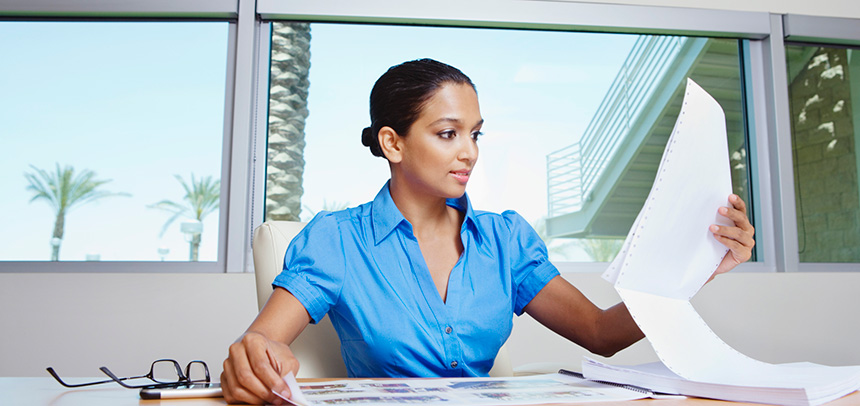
pixel 455 121
pixel 447 120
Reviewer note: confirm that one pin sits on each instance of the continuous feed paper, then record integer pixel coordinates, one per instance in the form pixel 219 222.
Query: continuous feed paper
pixel 670 254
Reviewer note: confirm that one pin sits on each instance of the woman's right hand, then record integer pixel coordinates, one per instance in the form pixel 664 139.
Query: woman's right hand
pixel 255 368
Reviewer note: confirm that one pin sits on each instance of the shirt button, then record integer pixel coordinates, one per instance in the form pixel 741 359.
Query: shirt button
pixel 454 364
pixel 448 330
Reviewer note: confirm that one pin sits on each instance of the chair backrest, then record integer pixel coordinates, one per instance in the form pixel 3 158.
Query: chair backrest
pixel 318 347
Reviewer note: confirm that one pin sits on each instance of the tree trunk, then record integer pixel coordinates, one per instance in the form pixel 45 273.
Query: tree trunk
pixel 55 251
pixel 194 247
pixel 59 225
pixel 287 113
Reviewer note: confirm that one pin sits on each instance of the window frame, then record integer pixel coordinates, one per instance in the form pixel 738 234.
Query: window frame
pixel 812 30
pixel 546 15
pixel 243 172
pixel 160 11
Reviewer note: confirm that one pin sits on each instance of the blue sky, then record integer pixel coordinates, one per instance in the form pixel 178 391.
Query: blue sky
pixel 134 102
pixel 140 102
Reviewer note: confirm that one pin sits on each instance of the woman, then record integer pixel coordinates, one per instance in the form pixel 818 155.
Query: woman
pixel 416 282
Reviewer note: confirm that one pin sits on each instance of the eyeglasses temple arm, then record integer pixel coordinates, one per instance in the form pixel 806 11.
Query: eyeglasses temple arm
pixel 125 385
pixel 72 385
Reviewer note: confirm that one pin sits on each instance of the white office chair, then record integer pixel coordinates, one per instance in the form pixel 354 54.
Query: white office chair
pixel 318 347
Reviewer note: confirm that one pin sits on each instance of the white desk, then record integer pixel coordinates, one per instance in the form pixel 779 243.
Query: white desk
pixel 45 391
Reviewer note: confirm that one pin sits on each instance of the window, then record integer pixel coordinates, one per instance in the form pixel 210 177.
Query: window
pixel 824 95
pixel 575 123
pixel 126 119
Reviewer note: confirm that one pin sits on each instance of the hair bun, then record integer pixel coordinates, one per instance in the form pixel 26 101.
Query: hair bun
pixel 366 137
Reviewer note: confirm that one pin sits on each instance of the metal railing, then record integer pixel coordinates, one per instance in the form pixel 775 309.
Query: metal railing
pixel 573 171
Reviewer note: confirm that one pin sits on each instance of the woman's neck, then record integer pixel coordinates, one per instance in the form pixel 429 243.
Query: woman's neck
pixel 426 213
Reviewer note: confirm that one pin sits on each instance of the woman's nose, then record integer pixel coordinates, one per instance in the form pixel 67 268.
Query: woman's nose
pixel 468 149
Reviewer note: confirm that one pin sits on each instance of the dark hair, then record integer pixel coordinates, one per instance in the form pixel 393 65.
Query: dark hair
pixel 400 93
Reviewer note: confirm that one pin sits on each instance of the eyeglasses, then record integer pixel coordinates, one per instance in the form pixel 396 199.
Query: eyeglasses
pixel 164 372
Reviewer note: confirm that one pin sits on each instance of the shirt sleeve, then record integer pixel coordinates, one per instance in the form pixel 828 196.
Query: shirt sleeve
pixel 313 270
pixel 530 266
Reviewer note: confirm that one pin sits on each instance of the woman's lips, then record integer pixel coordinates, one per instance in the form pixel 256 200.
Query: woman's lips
pixel 461 176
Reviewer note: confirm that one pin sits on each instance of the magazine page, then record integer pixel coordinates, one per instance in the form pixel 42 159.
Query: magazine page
pixel 527 390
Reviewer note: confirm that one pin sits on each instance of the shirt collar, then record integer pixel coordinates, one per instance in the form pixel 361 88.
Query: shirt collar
pixel 385 216
pixel 463 204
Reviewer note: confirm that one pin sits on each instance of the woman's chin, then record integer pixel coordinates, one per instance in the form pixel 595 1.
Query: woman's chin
pixel 456 192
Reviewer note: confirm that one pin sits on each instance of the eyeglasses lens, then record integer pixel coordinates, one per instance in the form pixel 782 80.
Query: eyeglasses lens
pixel 197 372
pixel 165 371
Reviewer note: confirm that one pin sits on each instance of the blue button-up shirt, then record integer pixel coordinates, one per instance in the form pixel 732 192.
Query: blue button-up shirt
pixel 363 267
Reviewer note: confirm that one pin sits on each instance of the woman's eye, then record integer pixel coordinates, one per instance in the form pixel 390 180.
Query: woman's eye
pixel 476 134
pixel 448 134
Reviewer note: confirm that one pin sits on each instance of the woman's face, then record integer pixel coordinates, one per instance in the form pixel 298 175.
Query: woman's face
pixel 441 148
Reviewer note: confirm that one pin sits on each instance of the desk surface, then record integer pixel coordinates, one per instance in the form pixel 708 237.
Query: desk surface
pixel 46 391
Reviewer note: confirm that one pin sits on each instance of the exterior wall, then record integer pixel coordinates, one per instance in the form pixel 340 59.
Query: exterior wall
pixel 825 163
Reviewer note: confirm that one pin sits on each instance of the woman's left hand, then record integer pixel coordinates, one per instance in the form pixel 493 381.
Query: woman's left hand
pixel 738 238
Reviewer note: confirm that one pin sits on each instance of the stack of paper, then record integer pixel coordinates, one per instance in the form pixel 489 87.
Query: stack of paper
pixel 814 389
pixel 669 255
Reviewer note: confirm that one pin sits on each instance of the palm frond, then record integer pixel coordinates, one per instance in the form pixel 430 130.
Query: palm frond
pixel 63 190
pixel 177 212
pixel 205 196
pixel 169 206
pixel 601 250
pixel 185 185
pixel 40 184
pixel 202 197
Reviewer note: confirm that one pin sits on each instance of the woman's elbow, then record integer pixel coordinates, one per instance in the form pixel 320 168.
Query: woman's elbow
pixel 604 349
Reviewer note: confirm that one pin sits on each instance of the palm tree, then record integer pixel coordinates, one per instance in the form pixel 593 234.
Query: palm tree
pixel 601 249
pixel 202 197
pixel 598 249
pixel 64 190
pixel 554 250
pixel 288 109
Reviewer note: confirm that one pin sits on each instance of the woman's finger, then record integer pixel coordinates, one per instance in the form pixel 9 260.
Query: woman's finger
pixel 743 231
pixel 738 203
pixel 266 368
pixel 232 391
pixel 738 217
pixel 737 211
pixel 243 370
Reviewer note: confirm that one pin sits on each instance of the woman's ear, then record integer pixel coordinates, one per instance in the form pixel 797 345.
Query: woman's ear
pixel 391 144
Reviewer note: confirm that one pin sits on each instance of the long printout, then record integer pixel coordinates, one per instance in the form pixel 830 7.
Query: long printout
pixel 669 255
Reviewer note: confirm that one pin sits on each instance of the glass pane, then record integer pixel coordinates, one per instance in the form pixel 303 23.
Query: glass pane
pixel 575 123
pixel 824 93
pixel 101 126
